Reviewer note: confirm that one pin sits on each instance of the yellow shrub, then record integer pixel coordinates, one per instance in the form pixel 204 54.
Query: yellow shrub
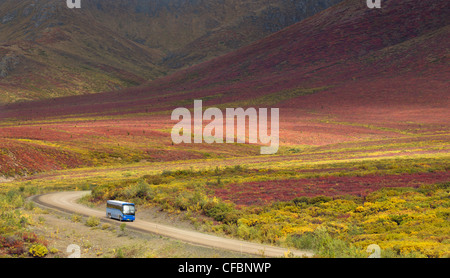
pixel 359 209
pixel 38 251
pixel 427 248
pixel 304 229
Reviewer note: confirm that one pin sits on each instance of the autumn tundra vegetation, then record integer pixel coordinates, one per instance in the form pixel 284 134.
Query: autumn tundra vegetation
pixel 363 141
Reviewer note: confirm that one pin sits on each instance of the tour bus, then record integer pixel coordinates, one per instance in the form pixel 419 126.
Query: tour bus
pixel 120 210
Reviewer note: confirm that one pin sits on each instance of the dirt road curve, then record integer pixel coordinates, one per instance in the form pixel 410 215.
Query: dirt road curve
pixel 66 201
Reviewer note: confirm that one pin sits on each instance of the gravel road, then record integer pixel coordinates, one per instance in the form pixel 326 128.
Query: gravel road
pixel 67 202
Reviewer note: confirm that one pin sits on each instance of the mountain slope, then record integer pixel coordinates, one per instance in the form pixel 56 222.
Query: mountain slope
pixel 369 61
pixel 337 47
pixel 54 51
pixel 242 30
pixel 346 34
pixel 48 50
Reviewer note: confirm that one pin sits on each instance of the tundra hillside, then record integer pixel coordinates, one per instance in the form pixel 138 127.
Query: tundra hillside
pixel 364 139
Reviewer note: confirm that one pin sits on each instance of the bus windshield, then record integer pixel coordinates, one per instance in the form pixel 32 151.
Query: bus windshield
pixel 128 209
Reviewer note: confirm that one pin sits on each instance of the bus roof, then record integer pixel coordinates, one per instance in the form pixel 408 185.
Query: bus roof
pixel 119 202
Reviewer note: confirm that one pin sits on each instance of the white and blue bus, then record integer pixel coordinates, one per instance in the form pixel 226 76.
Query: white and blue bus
pixel 120 210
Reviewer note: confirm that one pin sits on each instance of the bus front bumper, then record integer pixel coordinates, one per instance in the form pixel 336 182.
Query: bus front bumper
pixel 128 218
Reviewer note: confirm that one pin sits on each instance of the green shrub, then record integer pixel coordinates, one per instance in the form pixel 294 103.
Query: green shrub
pixel 299 201
pixel 92 221
pixel 76 218
pixel 325 245
pixel 218 211
pixel 119 253
pixel 320 199
pixel 29 206
pixel 182 202
pixel 245 232
pixel 140 190
pixel 153 179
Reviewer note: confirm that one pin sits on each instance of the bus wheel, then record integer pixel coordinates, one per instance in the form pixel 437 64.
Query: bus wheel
pixel 120 217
